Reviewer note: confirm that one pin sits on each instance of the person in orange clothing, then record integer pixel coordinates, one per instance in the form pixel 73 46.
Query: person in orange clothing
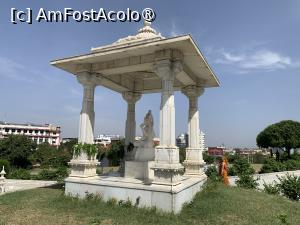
pixel 224 170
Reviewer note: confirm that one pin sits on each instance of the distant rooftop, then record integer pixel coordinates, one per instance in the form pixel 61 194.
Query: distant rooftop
pixel 27 124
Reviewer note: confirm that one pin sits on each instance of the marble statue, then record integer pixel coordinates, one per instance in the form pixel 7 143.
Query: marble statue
pixel 145 146
pixel 148 132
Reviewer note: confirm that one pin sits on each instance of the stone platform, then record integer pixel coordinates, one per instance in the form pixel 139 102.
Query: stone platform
pixel 167 198
pixel 12 185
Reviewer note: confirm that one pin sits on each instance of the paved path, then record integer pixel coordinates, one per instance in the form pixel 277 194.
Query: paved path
pixel 12 185
pixel 266 177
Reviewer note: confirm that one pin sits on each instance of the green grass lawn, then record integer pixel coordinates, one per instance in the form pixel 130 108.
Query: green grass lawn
pixel 215 205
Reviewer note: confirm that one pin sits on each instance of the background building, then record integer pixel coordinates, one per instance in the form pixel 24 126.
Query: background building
pixel 216 151
pixel 182 141
pixel 202 140
pixel 38 133
pixel 107 139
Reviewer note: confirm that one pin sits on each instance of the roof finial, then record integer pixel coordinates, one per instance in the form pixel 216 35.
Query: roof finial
pixel 147 23
pixel 144 33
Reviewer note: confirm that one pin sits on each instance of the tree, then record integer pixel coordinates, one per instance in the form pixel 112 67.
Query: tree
pixel 116 152
pixel 17 149
pixel 284 135
pixel 48 155
pixel 68 146
pixel 42 154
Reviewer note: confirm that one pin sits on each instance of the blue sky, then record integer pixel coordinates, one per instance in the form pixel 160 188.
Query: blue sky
pixel 252 46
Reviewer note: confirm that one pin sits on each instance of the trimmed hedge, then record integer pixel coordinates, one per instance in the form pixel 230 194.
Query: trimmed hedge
pixel 20 174
pixel 271 165
pixel 58 174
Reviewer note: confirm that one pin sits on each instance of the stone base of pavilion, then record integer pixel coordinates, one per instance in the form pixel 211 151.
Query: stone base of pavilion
pixel 168 198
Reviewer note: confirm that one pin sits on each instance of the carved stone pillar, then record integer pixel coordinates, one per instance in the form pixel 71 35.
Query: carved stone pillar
pixel 194 159
pixel 82 165
pixel 167 168
pixel 131 98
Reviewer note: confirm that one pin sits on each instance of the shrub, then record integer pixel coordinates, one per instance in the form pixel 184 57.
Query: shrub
pixel 89 196
pixel 283 218
pixel 258 158
pixel 241 167
pixel 245 172
pixel 21 174
pixel 247 181
pixel 296 156
pixel 208 158
pixel 61 173
pixel 99 171
pixel 116 153
pixel 93 197
pixel 112 202
pixel 272 189
pixel 292 164
pixel 126 204
pixel 58 174
pixel 231 171
pixel 290 186
pixel 6 164
pixel 271 165
pixel 46 175
pixel 230 158
pixel 212 173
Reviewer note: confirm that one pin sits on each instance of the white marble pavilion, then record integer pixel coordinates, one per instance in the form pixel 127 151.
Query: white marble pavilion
pixel 132 66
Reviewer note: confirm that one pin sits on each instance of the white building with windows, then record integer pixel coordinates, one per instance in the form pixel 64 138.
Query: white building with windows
pixel 182 141
pixel 106 139
pixel 38 133
pixel 202 140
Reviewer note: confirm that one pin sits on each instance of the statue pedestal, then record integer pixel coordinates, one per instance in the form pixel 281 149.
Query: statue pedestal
pixel 144 154
pixel 139 170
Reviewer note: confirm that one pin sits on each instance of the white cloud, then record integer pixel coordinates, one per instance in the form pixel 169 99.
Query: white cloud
pixel 10 69
pixel 174 30
pixel 20 72
pixel 233 58
pixel 228 58
pixel 253 60
pixel 266 59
